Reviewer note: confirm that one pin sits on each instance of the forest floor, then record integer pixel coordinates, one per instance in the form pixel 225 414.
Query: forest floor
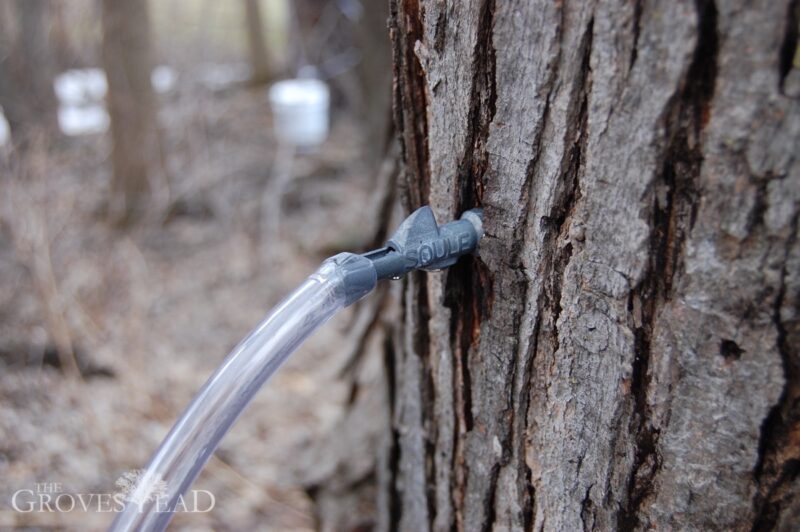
pixel 152 311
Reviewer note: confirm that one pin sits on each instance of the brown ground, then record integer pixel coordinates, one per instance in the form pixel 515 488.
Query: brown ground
pixel 152 311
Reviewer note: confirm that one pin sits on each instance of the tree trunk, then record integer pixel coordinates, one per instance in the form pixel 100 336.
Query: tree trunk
pixel 259 60
pixel 26 71
pixel 624 352
pixel 127 59
pixel 374 74
pixel 65 56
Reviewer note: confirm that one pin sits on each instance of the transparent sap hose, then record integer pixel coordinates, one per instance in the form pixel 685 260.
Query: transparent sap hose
pixel 338 282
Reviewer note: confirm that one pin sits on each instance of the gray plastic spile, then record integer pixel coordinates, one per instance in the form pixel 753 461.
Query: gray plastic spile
pixel 421 244
pixel 418 244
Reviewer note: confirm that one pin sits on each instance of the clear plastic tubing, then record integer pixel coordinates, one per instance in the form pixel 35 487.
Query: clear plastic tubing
pixel 338 282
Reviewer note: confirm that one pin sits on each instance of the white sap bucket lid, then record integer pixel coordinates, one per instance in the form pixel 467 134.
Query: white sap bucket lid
pixel 300 110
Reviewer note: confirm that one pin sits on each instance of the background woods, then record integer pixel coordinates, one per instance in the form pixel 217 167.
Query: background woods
pixel 137 150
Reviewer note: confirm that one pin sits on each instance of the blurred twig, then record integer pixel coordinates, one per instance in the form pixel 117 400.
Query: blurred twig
pixel 272 201
pixel 27 226
pixel 231 476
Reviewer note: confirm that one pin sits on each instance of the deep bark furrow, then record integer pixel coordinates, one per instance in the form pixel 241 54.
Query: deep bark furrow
pixel 788 50
pixel 524 471
pixel 410 108
pixel 511 434
pixel 675 197
pixel 489 501
pixel 482 99
pixel 554 194
pixel 779 446
pixel 410 101
pixel 674 205
pixel 557 225
pixel 421 349
pixel 413 405
pixel 637 20
pixel 492 442
pixel 467 292
pixel 587 511
pixel 468 295
pixel 470 306
pixel 392 466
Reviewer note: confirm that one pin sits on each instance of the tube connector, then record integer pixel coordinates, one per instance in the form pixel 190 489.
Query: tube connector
pixel 421 244
pixel 357 273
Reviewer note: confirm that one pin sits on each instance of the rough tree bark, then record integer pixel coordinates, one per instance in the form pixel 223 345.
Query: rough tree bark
pixel 127 59
pixel 624 352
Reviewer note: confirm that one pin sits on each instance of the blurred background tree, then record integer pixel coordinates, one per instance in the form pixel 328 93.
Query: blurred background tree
pixel 26 68
pixel 260 67
pixel 128 63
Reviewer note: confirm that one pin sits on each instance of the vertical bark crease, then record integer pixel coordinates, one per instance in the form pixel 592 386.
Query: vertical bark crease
pixel 557 231
pixel 392 465
pixel 468 292
pixel 421 349
pixel 778 463
pixel 637 21
pixel 789 47
pixel 675 201
pixel 468 295
pixel 483 96
pixel 554 226
pixel 528 497
pixel 410 100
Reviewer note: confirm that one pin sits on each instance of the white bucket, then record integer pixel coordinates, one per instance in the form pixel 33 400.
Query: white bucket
pixel 300 110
